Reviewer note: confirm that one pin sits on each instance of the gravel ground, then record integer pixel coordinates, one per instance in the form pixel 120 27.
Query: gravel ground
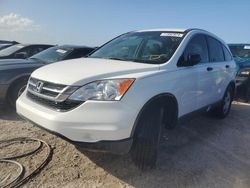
pixel 201 152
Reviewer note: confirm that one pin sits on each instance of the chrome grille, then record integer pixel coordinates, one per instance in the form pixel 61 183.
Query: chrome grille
pixel 58 106
pixel 51 94
pixel 50 91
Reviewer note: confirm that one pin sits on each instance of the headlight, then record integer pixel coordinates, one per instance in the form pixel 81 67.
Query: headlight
pixel 245 72
pixel 104 90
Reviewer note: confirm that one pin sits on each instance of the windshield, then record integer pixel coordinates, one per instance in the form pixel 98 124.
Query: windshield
pixel 2 46
pixel 146 47
pixel 241 51
pixel 52 54
pixel 10 50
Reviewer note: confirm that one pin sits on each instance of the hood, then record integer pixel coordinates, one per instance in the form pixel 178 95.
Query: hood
pixel 84 70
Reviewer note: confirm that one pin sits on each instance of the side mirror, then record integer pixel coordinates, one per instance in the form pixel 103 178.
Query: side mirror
pixel 194 59
pixel 21 55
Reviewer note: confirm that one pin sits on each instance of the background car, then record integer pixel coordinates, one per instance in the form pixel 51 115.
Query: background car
pixel 6 44
pixel 14 73
pixel 241 53
pixel 22 51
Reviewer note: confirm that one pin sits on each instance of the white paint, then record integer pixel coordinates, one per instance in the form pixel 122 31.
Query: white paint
pixel 171 35
pixel 194 87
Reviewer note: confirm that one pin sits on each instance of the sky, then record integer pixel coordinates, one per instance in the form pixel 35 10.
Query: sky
pixel 94 22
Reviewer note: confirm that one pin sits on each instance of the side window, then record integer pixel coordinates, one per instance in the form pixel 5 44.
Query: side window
pixel 196 46
pixel 228 56
pixel 26 50
pixel 36 49
pixel 215 50
pixel 31 50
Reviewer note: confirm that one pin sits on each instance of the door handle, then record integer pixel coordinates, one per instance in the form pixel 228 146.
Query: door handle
pixel 209 68
pixel 227 66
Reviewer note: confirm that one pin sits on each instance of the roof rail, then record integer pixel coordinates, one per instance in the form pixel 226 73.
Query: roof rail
pixel 191 29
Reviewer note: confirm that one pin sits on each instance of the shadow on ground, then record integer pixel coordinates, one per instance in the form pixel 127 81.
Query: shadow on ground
pixel 201 152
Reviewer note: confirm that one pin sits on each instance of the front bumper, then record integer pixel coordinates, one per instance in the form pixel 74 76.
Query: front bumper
pixel 91 122
pixel 117 147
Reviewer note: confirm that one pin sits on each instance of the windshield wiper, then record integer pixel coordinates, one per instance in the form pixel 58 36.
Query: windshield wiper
pixel 112 58
pixel 116 58
pixel 129 59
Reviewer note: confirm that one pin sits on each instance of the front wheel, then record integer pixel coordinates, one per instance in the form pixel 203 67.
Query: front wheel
pixel 147 137
pixel 223 109
pixel 16 91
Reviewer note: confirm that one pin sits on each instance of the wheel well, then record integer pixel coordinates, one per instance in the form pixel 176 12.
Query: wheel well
pixel 13 83
pixel 165 100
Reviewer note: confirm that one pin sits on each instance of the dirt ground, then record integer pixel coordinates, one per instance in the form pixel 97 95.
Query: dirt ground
pixel 201 152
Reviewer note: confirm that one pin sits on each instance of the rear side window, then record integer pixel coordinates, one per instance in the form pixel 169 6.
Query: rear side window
pixel 215 50
pixel 227 54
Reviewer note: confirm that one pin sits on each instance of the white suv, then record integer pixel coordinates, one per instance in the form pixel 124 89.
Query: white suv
pixel 120 97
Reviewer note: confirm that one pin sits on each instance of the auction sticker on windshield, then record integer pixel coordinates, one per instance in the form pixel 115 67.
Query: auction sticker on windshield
pixel 61 51
pixel 19 46
pixel 171 35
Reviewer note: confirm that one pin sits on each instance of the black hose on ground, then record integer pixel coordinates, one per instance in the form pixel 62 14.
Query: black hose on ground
pixel 18 180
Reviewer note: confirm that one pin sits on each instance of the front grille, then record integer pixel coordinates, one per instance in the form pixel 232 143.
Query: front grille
pixel 48 89
pixel 59 106
pixel 52 95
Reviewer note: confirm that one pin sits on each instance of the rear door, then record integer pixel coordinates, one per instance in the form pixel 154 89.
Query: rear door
pixel 219 68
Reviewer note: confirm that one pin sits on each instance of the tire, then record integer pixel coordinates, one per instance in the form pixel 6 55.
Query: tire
pixel 147 137
pixel 16 90
pixel 223 109
pixel 170 116
pixel 247 93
